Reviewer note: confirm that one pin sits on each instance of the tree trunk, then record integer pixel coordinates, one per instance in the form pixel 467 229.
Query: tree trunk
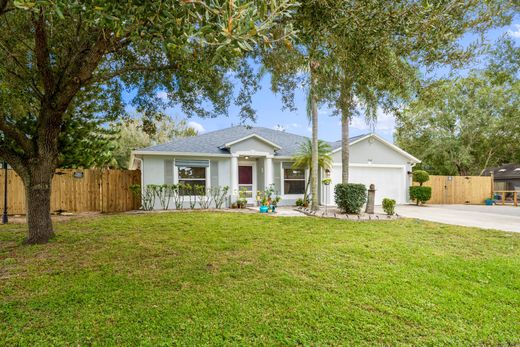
pixel 38 202
pixel 314 152
pixel 345 148
pixel 346 107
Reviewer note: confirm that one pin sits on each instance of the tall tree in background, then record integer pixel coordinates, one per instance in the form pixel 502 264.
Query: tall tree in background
pixel 57 54
pixel 303 64
pixel 464 125
pixel 133 134
pixel 379 46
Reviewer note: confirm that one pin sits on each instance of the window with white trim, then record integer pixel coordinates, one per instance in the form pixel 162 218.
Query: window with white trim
pixel 192 174
pixel 293 180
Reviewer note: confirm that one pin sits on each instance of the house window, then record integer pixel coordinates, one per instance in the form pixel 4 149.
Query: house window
pixel 193 176
pixel 293 181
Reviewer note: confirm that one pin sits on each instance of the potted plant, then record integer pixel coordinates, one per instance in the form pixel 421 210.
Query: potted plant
pixel 264 205
pixel 489 201
pixel 241 203
pixel 274 203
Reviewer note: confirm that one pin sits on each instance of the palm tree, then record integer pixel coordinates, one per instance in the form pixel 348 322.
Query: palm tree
pixel 303 160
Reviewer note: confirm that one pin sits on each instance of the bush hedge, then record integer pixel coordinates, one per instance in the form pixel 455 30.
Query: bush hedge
pixel 420 194
pixel 350 197
pixel 389 206
pixel 420 176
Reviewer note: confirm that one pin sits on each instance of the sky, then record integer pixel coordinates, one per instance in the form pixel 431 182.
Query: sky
pixel 269 111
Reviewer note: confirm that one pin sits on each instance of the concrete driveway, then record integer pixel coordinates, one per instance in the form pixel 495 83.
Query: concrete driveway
pixel 506 218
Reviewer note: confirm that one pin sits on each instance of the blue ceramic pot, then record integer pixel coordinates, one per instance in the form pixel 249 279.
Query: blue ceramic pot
pixel 264 209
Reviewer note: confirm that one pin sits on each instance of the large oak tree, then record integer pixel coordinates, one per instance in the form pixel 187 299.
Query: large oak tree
pixel 58 55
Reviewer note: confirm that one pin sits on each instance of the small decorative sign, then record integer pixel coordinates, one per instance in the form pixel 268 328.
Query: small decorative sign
pixel 78 174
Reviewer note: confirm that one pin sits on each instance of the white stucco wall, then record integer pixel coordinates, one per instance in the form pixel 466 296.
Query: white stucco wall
pixel 153 172
pixel 252 145
pixel 372 149
pixel 152 169
pixel 384 166
pixel 379 154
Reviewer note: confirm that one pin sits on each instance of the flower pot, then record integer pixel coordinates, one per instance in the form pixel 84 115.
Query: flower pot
pixel 264 209
pixel 273 208
pixel 489 202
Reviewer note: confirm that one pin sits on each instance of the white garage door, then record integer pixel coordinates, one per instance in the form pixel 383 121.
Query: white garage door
pixel 390 182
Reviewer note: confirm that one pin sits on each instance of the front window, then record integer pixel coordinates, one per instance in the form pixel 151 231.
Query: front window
pixel 192 176
pixel 294 181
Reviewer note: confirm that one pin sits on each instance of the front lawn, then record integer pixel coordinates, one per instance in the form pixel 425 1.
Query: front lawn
pixel 226 278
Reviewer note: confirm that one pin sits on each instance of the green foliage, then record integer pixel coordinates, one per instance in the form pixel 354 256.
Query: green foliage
pixel 303 159
pixel 203 196
pixel 67 63
pixel 389 206
pixel 420 176
pixel 350 197
pixel 146 195
pixel 219 195
pixel 302 202
pixel 420 194
pixel 137 133
pixel 464 125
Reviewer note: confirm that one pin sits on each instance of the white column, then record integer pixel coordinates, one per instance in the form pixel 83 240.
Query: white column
pixel 234 177
pixel 268 171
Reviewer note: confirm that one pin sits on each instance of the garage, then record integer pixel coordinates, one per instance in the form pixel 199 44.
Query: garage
pixel 389 180
pixel 374 160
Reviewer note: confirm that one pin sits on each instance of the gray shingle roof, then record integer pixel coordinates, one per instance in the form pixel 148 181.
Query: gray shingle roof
pixel 211 143
pixel 506 171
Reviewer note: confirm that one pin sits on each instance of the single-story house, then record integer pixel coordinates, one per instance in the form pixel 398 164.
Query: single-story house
pixel 505 177
pixel 253 158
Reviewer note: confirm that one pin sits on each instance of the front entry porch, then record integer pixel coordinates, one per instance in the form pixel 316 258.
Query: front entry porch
pixel 250 172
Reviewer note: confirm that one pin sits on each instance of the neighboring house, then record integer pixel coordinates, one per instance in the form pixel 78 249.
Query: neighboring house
pixel 253 158
pixel 506 177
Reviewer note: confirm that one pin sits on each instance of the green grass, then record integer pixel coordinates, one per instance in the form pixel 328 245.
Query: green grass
pixel 226 278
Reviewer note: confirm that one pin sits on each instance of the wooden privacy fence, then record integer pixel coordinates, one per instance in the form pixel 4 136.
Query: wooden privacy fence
pixel 77 190
pixel 460 189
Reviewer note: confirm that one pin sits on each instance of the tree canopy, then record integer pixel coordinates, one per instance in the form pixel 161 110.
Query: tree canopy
pixel 59 55
pixel 461 126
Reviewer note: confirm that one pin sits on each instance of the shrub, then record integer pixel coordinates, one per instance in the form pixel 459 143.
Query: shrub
pixel 389 206
pixel 146 195
pixel 350 197
pixel 420 194
pixel 420 176
pixel 219 195
pixel 299 202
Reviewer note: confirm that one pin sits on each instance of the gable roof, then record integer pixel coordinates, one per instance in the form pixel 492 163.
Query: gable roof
pixel 383 141
pixel 506 171
pixel 217 142
pixel 256 136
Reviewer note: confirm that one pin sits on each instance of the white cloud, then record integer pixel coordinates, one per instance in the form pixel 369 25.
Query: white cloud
pixel 385 123
pixel 515 32
pixel 286 127
pixel 196 126
pixel 162 95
